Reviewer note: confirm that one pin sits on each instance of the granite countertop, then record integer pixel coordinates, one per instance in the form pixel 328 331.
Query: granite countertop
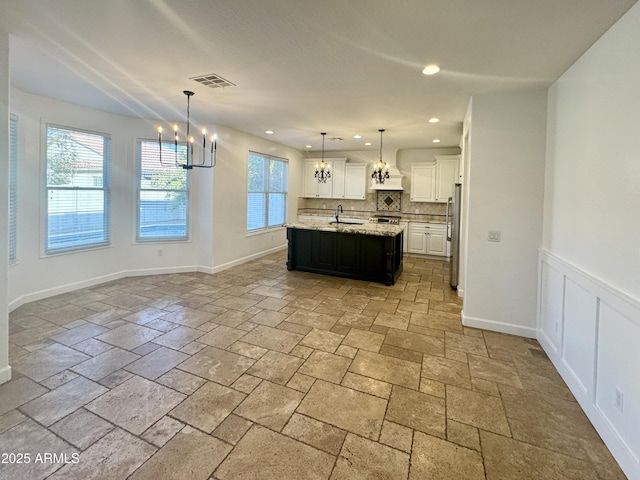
pixel 378 229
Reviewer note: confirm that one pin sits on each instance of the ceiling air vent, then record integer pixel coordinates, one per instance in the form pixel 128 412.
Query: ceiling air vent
pixel 214 81
pixel 336 138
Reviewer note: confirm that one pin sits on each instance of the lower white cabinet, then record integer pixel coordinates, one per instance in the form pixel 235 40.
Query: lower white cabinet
pixel 405 236
pixel 427 239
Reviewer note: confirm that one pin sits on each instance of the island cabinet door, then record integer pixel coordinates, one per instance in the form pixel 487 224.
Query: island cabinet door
pixel 323 251
pixel 300 248
pixel 348 253
pixel 373 255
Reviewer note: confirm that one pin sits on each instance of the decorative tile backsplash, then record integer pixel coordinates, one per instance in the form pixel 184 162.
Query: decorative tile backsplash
pixel 389 201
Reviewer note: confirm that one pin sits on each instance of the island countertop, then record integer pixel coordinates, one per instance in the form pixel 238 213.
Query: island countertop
pixel 377 229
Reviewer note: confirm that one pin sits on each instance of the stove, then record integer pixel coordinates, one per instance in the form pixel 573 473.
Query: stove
pixel 393 219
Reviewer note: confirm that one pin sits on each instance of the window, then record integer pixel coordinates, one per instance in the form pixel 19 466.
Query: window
pixel 78 211
pixel 163 193
pixel 266 192
pixel 13 183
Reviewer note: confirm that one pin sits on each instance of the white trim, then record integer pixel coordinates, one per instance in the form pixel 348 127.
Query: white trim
pixel 502 327
pixel 242 260
pixel 70 287
pixel 611 428
pixel 5 374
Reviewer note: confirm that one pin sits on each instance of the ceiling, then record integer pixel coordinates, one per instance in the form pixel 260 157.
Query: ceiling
pixel 300 67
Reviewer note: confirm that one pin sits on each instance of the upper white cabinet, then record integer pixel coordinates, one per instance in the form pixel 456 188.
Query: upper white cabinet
pixel 310 185
pixel 355 181
pixel 347 180
pixel 337 175
pixel 447 174
pixel 423 183
pixel 433 182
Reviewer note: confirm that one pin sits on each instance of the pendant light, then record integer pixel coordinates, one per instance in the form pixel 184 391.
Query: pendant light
pixel 380 168
pixel 188 163
pixel 322 169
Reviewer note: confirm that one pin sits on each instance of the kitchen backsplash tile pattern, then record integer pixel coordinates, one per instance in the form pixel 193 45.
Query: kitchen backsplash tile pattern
pixel 410 211
pixel 389 201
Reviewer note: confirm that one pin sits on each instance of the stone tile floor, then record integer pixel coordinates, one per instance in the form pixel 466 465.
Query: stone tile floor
pixel 261 373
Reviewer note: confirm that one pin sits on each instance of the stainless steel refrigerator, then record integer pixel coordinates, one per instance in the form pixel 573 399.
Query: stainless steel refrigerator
pixel 453 210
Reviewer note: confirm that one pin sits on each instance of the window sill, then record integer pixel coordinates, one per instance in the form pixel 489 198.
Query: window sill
pixel 264 230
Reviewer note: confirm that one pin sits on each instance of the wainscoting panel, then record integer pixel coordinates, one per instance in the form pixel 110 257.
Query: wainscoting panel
pixel 551 305
pixel 591 332
pixel 579 334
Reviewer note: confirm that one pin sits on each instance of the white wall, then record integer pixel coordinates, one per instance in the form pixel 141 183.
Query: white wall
pixel 5 370
pixel 230 243
pixel 217 218
pixel 505 194
pixel 589 312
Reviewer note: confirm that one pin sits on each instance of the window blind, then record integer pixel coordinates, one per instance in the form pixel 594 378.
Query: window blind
pixel 163 192
pixel 267 187
pixel 13 187
pixel 77 189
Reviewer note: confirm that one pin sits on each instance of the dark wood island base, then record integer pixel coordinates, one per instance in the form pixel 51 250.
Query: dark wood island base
pixel 363 252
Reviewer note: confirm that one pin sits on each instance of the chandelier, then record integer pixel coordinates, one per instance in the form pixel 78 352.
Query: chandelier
pixel 188 163
pixel 380 168
pixel 322 168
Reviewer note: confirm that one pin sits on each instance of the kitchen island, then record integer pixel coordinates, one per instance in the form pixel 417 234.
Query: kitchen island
pixel 366 251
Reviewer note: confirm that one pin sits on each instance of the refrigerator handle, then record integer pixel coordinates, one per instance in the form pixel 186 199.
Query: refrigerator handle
pixel 449 230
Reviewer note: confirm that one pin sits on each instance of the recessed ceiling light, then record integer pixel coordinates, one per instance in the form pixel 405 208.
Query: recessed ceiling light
pixel 269 132
pixel 431 69
pixel 368 144
pixel 434 120
pixel 308 146
pixel 357 137
pixel 435 140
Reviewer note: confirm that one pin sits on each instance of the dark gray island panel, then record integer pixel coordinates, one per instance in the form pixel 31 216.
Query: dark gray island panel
pixel 352 254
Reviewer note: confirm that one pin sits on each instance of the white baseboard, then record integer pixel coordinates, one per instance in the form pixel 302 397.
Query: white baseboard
pixel 501 327
pixel 460 292
pixel 70 287
pixel 240 261
pixel 58 290
pixel 5 374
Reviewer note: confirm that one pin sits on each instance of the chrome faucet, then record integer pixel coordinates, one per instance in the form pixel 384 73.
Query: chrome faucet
pixel 338 212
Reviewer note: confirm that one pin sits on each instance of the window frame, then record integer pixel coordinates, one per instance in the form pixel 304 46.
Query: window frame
pixel 266 183
pixel 13 189
pixel 139 190
pixel 107 157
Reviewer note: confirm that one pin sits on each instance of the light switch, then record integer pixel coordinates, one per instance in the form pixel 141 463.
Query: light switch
pixel 494 236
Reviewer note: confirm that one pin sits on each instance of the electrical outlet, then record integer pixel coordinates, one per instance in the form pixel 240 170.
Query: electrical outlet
pixel 619 400
pixel 494 236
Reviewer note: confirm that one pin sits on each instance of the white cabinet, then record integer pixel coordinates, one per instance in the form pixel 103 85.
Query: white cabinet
pixel 310 185
pixel 434 182
pixel 338 178
pixel 447 171
pixel 423 183
pixel 347 180
pixel 427 239
pixel 355 181
pixel 405 235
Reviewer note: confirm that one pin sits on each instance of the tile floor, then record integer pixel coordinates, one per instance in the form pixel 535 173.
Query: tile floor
pixel 261 373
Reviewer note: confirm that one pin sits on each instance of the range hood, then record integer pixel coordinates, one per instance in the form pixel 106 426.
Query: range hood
pixel 394 182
